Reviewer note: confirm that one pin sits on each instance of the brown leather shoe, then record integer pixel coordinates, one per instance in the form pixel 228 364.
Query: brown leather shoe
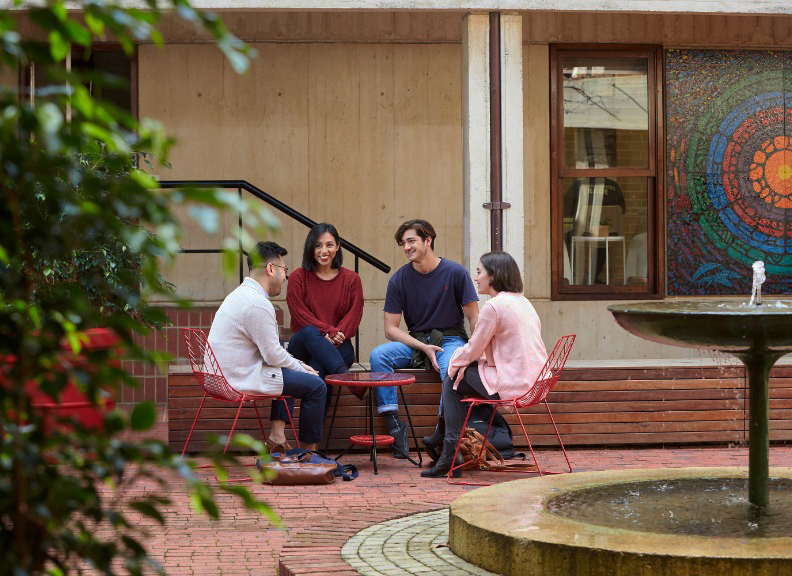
pixel 276 447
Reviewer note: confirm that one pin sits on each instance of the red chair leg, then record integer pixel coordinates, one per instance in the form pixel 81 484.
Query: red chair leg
pixel 193 424
pixel 528 440
pixel 233 427
pixel 558 435
pixel 291 423
pixel 454 466
pixel 489 425
pixel 261 426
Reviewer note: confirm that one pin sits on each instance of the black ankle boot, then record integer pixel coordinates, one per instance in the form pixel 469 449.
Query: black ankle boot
pixel 443 464
pixel 436 439
pixel 433 453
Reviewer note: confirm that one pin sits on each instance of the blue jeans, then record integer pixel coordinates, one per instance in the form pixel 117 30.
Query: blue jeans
pixel 311 391
pixel 391 355
pixel 310 346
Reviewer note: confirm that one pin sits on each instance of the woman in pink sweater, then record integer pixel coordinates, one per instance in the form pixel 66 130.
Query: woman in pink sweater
pixel 500 361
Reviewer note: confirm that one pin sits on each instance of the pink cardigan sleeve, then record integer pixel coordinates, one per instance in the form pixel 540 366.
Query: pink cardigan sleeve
pixel 471 352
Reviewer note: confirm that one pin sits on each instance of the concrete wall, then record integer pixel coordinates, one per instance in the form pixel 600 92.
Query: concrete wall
pixel 363 136
pixel 355 118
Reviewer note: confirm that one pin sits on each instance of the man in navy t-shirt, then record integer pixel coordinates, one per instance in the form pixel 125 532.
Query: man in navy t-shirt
pixel 431 293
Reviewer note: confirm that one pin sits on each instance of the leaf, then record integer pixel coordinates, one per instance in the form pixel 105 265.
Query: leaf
pixel 95 24
pixel 143 416
pixel 147 509
pixel 78 33
pixel 59 46
pixel 206 216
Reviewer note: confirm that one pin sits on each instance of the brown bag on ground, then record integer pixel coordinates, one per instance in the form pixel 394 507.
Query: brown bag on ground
pixel 490 459
pixel 289 471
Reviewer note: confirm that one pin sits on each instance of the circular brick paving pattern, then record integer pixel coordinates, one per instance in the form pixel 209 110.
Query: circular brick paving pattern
pixel 416 544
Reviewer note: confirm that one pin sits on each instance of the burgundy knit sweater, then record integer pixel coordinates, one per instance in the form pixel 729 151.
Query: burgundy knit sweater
pixel 330 305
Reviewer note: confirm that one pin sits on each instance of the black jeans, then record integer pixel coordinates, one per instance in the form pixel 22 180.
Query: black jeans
pixel 310 346
pixel 311 391
pixel 454 410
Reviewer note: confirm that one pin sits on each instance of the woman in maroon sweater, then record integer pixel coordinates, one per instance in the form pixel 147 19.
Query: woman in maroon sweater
pixel 326 304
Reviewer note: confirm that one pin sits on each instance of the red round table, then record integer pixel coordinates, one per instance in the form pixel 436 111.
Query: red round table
pixel 372 440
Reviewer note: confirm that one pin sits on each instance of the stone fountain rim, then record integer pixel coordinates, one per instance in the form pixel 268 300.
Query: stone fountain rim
pixel 476 509
pixel 675 308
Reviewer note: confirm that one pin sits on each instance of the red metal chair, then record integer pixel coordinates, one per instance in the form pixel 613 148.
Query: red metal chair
pixel 207 371
pixel 544 383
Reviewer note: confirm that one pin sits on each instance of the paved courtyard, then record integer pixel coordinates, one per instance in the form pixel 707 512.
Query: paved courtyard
pixel 320 520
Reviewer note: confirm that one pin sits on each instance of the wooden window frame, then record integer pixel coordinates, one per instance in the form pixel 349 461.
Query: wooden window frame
pixel 654 173
pixel 24 71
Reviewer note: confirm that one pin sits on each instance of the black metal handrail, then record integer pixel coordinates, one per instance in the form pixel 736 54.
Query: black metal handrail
pixel 280 206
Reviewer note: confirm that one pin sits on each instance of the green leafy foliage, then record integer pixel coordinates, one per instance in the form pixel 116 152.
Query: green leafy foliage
pixel 83 233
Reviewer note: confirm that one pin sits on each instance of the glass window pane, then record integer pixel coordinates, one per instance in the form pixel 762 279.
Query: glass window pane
pixel 108 76
pixel 606 112
pixel 605 231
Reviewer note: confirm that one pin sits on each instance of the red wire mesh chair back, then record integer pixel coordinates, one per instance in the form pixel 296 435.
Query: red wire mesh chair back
pixel 549 374
pixel 205 367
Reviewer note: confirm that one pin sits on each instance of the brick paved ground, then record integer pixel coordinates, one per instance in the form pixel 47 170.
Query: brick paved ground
pixel 318 520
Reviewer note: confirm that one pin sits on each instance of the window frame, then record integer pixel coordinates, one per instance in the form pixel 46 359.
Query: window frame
pixel 654 173
pixel 24 71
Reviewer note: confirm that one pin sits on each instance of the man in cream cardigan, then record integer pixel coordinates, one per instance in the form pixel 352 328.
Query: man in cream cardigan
pixel 244 337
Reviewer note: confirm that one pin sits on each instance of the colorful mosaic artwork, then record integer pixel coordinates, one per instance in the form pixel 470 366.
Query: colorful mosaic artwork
pixel 729 162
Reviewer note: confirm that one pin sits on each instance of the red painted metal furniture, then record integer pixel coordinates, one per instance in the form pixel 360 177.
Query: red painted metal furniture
pixel 208 373
pixel 71 407
pixel 544 383
pixel 372 440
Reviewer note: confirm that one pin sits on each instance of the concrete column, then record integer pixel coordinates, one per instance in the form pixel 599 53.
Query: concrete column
pixel 476 135
pixel 512 135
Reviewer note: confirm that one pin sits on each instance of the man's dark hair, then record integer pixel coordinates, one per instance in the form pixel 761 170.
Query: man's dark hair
pixel 267 252
pixel 308 262
pixel 421 227
pixel 504 272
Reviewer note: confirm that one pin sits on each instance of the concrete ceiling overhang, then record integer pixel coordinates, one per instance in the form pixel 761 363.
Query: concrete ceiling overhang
pixel 643 6
pixel 755 7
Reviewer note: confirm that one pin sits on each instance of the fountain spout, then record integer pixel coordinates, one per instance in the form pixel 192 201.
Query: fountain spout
pixel 758 280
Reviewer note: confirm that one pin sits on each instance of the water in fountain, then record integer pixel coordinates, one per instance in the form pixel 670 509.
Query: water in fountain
pixel 756 285
pixel 714 507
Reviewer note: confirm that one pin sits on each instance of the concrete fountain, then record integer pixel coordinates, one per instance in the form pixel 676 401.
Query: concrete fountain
pixel 690 521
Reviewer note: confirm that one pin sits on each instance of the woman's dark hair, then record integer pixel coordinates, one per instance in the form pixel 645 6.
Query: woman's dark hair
pixel 504 271
pixel 267 252
pixel 308 261
pixel 421 227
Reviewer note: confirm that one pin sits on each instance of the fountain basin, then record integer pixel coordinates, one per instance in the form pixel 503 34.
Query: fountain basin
pixel 757 334
pixel 724 325
pixel 509 529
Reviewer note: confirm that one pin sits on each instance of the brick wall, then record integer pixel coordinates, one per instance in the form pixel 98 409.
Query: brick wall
pixel 153 382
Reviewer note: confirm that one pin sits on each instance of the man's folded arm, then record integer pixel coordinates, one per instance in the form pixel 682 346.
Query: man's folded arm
pixel 262 328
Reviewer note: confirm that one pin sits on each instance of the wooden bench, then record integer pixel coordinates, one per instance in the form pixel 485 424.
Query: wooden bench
pixel 594 403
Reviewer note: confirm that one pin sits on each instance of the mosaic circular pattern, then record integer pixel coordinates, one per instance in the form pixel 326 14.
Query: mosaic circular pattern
pixel 416 544
pixel 770 170
pixel 748 169
pixel 730 171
